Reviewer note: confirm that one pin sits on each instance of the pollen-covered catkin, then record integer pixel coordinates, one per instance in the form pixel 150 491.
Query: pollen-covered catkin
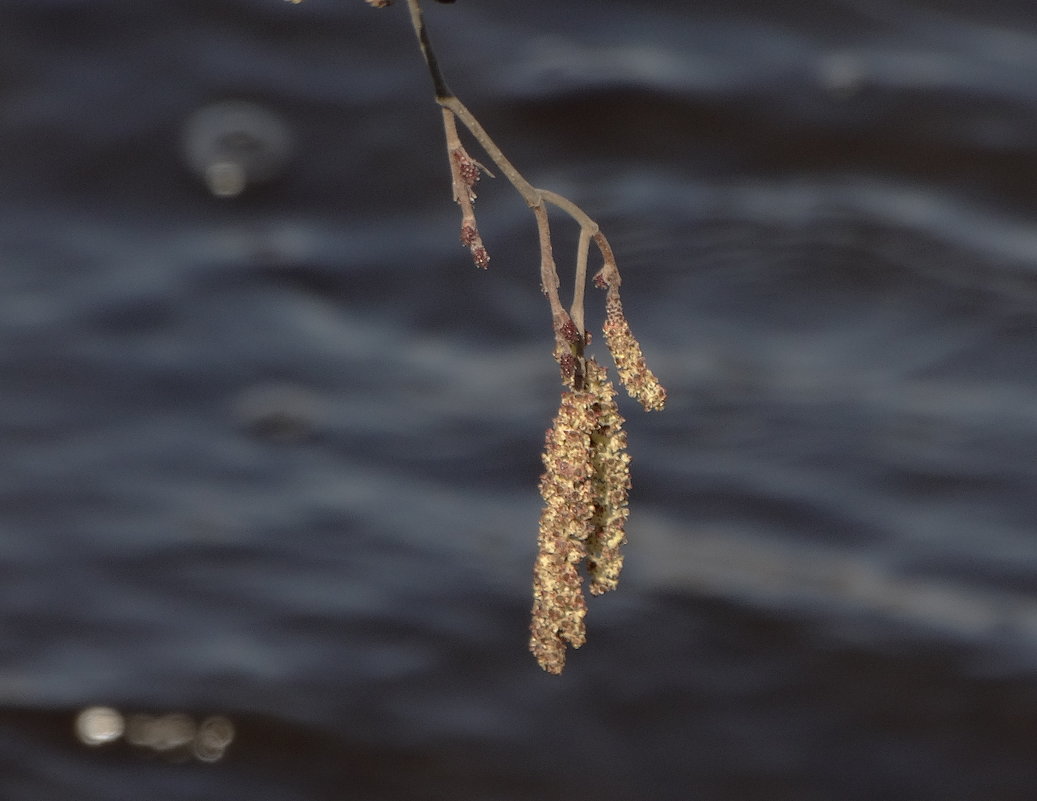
pixel 565 524
pixel 610 484
pixel 640 382
pixel 585 486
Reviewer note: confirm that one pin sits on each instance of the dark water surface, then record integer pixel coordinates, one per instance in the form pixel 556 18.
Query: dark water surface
pixel 270 460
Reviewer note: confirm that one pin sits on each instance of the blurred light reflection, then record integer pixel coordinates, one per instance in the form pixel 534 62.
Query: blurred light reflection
pixel 214 735
pixel 97 725
pixel 160 733
pixel 175 735
pixel 234 144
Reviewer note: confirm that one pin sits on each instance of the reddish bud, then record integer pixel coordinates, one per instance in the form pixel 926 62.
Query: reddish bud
pixel 567 363
pixel 569 332
pixel 466 167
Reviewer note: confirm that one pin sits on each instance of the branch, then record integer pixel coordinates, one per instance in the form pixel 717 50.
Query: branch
pixel 586 467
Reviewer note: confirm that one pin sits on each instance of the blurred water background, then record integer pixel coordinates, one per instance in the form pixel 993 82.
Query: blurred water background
pixel 268 457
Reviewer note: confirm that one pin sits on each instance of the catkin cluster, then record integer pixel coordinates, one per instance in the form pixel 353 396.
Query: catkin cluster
pixel 584 486
pixel 586 480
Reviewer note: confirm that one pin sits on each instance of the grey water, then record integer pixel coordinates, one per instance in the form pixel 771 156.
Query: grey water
pixel 269 452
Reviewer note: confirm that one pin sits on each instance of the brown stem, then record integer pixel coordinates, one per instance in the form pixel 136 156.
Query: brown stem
pixel 529 193
pixel 548 272
pixel 536 199
pixel 580 282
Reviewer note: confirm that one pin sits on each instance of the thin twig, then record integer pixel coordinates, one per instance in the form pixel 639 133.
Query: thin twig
pixel 418 23
pixel 530 193
pixel 548 271
pixel 580 281
pixel 464 173
pixel 609 273
pixel 534 197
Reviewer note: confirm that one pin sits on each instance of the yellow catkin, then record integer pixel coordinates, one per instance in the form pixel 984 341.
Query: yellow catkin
pixel 611 485
pixel 585 487
pixel 639 381
pixel 565 524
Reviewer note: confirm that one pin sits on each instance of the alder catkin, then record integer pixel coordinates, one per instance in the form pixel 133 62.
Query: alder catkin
pixel 610 485
pixel 585 486
pixel 639 382
pixel 586 480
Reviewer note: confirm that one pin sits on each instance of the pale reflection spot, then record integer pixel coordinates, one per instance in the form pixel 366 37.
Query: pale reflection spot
pixel 235 144
pixel 163 733
pixel 214 735
pixel 843 74
pixel 176 736
pixel 97 725
pixel 225 178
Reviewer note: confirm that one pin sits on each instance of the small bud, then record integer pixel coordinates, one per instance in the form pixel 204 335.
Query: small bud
pixel 467 169
pixel 470 239
pixel 569 332
pixel 480 257
pixel 567 363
